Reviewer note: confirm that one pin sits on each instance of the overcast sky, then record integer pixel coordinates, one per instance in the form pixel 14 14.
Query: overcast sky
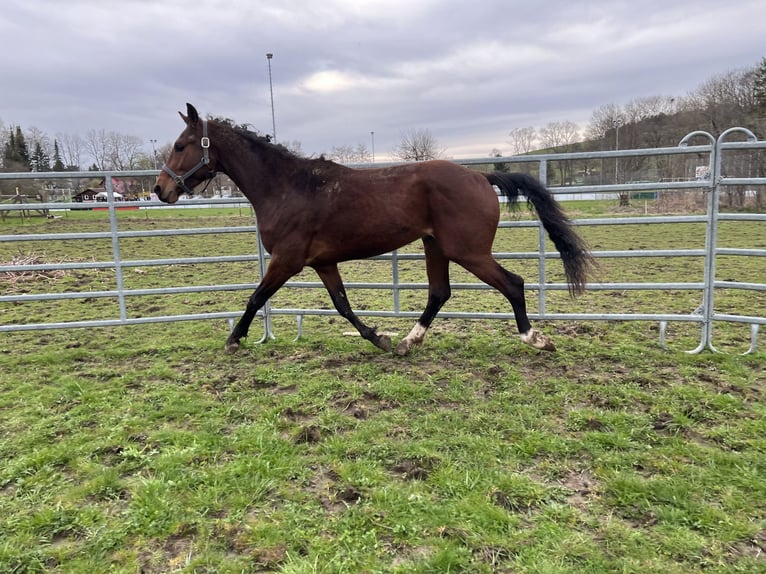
pixel 467 71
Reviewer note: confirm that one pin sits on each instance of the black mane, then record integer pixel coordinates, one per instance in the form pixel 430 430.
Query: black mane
pixel 320 164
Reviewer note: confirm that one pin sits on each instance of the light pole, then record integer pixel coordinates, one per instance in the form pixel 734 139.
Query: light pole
pixel 154 153
pixel 372 136
pixel 269 56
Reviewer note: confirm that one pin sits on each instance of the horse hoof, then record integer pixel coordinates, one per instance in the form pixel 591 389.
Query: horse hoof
pixel 383 342
pixel 231 348
pixel 536 339
pixel 402 349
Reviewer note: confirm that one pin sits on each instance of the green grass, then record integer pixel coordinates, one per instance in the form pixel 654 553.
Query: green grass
pixel 146 449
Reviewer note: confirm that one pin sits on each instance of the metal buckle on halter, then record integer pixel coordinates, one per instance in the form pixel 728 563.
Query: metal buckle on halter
pixel 205 142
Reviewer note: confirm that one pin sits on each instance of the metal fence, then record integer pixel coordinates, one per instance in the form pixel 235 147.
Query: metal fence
pixel 709 155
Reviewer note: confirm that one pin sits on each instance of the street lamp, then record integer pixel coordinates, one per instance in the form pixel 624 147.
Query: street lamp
pixel 154 153
pixel 269 56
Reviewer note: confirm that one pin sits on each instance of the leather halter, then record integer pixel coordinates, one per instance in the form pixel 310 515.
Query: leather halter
pixel 180 180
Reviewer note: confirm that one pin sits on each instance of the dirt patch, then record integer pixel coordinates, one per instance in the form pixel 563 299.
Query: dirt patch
pixel 309 434
pixel 334 494
pixel 581 485
pixel 754 548
pixel 361 408
pixel 415 468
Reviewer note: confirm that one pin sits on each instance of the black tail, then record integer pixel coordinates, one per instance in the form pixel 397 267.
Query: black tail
pixel 574 252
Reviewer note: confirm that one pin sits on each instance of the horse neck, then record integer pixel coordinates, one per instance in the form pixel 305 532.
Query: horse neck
pixel 252 170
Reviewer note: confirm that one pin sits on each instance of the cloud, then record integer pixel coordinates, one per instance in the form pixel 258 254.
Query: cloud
pixel 468 72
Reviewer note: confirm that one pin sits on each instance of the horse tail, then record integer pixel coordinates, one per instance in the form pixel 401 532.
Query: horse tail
pixel 573 250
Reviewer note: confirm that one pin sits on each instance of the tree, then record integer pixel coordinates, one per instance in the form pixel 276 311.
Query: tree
pixel 71 148
pixel 602 121
pixel 126 152
pixel 112 150
pixel 417 145
pixel 559 137
pixel 16 152
pixel 724 100
pixel 498 166
pixel 39 160
pixel 522 140
pixel 58 165
pixel 350 154
pixel 759 88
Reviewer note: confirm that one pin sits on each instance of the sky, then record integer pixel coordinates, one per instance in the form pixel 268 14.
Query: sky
pixel 468 72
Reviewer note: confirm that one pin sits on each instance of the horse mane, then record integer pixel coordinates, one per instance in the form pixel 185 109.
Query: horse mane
pixel 314 173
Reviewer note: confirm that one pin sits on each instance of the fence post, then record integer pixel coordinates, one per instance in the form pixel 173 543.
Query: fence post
pixel 712 248
pixel 267 332
pixel 109 187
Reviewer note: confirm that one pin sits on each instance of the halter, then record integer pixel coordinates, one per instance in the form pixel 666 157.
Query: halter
pixel 204 161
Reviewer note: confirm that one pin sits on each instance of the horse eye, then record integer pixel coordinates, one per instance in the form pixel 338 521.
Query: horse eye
pixel 178 147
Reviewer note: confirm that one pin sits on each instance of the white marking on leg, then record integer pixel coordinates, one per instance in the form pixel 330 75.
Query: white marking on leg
pixel 415 337
pixel 536 339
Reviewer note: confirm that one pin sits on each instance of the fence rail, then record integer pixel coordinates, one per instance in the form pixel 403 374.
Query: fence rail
pixel 705 315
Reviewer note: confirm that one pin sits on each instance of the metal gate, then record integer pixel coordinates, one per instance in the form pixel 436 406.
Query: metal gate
pixel 712 182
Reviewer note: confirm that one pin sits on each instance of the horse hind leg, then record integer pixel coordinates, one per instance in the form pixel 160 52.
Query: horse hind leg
pixel 332 281
pixel 512 287
pixel 437 268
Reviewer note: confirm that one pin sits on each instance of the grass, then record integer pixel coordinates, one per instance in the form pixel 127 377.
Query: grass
pixel 145 449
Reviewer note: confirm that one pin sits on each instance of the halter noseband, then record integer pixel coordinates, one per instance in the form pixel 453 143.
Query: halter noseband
pixel 204 161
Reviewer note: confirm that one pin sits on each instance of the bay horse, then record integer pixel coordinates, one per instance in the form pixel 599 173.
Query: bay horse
pixel 317 213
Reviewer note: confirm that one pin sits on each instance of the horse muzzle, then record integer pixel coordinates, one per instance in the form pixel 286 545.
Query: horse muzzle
pixel 166 189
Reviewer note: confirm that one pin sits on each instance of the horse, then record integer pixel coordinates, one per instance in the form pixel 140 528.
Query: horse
pixel 315 213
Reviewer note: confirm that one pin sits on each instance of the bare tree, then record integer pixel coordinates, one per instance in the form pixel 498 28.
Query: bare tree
pixel 648 107
pixel 418 145
pixel 350 154
pixel 726 99
pixel 522 140
pixel 602 121
pixel 96 145
pixel 126 152
pixel 112 150
pixel 70 148
pixel 560 136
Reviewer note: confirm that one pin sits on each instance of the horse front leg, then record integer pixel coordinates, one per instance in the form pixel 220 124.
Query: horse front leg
pixel 276 275
pixel 332 281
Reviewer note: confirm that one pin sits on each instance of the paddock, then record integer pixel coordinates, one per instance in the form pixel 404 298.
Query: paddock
pixel 129 441
pixel 711 284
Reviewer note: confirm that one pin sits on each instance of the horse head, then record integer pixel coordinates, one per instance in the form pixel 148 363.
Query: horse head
pixel 190 157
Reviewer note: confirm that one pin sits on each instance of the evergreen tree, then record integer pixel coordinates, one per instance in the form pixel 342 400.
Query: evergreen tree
pixel 21 151
pixel 39 161
pixel 16 154
pixel 10 146
pixel 58 164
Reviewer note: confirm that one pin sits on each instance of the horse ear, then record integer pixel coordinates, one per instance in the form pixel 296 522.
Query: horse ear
pixel 193 115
